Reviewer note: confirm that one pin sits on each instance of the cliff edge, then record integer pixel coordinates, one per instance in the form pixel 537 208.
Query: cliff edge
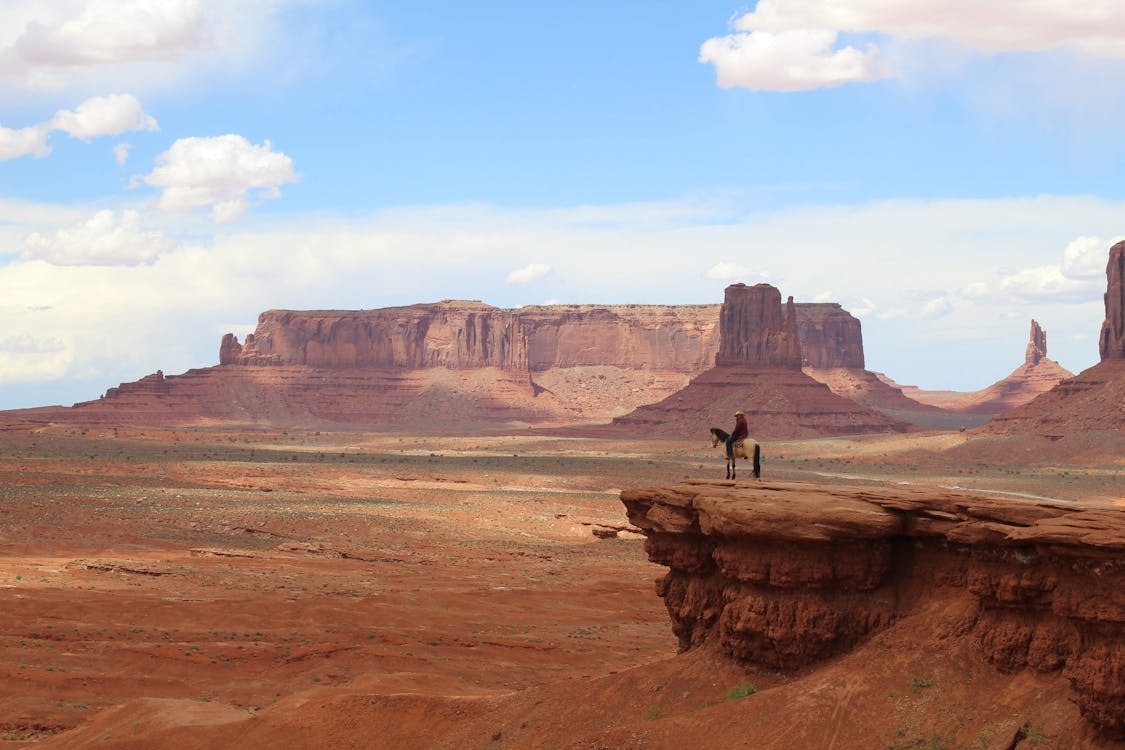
pixel 784 575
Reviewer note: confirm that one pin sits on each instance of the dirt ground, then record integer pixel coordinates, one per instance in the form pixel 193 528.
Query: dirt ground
pixel 225 575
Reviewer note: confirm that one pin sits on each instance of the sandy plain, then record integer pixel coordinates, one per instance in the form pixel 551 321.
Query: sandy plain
pixel 210 588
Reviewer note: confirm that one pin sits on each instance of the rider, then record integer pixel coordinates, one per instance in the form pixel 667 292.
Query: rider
pixel 741 430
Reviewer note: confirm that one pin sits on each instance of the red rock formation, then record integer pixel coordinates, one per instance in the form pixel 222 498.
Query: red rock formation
pixel 455 335
pixel 755 332
pixel 564 363
pixel 830 336
pixel 467 335
pixel 1112 337
pixel 779 404
pixel 1036 375
pixel 784 575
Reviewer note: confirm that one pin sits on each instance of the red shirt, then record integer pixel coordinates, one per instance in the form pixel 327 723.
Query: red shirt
pixel 740 428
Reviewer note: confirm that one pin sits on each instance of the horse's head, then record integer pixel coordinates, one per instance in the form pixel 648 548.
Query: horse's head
pixel 715 439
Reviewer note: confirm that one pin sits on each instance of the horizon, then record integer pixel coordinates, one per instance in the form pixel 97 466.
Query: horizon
pixel 173 168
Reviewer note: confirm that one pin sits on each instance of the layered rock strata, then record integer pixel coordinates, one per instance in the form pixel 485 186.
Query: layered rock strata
pixel 755 331
pixel 466 335
pixel 783 575
pixel 1112 338
pixel 758 371
pixel 831 337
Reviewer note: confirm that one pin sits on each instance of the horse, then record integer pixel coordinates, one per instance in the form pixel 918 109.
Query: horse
pixel 719 437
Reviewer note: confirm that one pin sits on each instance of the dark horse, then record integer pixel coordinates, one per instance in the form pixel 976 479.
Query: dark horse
pixel 742 449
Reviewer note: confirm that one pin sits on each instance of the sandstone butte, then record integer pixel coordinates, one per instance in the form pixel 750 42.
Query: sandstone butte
pixel 1094 400
pixel 783 575
pixel 1036 375
pixel 758 370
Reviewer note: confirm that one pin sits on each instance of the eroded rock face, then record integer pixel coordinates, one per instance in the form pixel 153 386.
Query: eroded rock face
pixel 786 574
pixel 1112 339
pixel 456 335
pixel 755 331
pixel 830 336
pixel 467 335
pixel 1036 345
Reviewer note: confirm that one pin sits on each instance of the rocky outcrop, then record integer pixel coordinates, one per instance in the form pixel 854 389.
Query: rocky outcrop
pixel 1036 345
pixel 779 404
pixel 467 335
pixel 455 335
pixel 1112 339
pixel 1038 374
pixel 783 575
pixel 1094 400
pixel 754 330
pixel 757 371
pixel 831 337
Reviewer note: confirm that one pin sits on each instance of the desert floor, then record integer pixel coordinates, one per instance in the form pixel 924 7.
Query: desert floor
pixel 239 573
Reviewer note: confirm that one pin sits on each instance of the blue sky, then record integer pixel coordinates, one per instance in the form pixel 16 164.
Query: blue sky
pixel 171 168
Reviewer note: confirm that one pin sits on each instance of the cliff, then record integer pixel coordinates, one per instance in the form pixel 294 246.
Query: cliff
pixel 784 575
pixel 467 335
pixel 758 370
pixel 1112 338
pixel 755 331
pixel 830 336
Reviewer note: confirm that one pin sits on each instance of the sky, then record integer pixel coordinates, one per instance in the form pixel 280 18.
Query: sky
pixel 947 170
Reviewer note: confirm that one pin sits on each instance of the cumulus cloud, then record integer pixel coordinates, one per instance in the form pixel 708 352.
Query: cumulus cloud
pixel 529 274
pixel 226 173
pixel 30 141
pixel 106 239
pixel 789 45
pixel 103 115
pixel 55 44
pixel 94 117
pixel 1079 277
pixel 730 271
pixel 792 60
pixel 121 152
pixel 938 307
pixel 1086 257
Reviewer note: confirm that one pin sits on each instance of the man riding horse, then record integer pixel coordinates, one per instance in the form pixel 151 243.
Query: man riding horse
pixel 741 430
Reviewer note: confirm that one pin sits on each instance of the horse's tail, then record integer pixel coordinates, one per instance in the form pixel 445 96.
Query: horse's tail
pixel 757 461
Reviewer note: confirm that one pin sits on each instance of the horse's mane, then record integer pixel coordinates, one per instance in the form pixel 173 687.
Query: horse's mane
pixel 720 433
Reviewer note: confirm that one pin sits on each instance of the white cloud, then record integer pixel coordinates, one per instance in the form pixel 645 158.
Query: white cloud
pixel 789 45
pixel 791 60
pixel 89 44
pixel 1078 278
pixel 121 152
pixel 1086 257
pixel 103 115
pixel 106 239
pixel 863 308
pixel 529 274
pixel 938 307
pixel 225 173
pixel 94 117
pixel 30 141
pixel 730 271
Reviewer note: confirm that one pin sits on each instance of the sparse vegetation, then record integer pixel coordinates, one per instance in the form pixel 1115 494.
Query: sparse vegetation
pixel 741 690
